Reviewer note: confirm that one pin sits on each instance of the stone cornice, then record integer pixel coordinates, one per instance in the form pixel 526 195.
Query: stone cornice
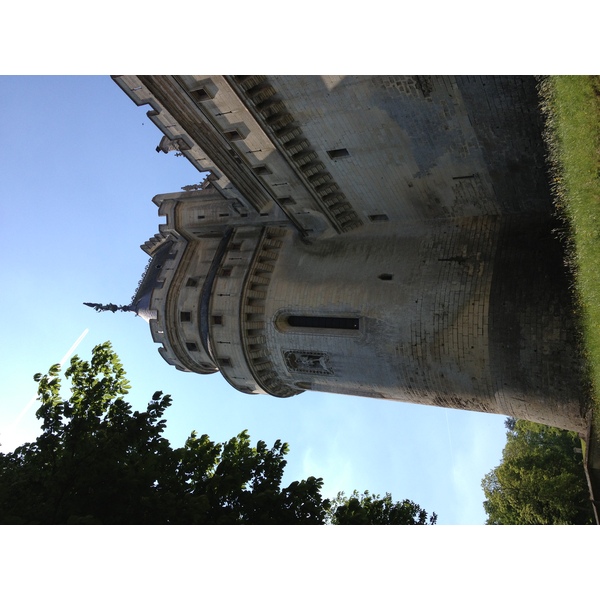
pixel 185 111
pixel 261 99
pixel 252 315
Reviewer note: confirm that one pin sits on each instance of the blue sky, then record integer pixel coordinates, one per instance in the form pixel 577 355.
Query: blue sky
pixel 79 170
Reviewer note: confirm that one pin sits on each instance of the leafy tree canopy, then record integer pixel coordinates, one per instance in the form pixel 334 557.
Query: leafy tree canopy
pixel 371 509
pixel 96 461
pixel 99 462
pixel 540 480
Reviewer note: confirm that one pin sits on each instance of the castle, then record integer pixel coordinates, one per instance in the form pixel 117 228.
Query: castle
pixel 381 236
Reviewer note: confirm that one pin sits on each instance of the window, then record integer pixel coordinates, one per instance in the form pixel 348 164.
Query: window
pixel 200 94
pixel 380 217
pixel 185 316
pixel 262 170
pixel 323 322
pixel 217 320
pixel 225 272
pixel 338 153
pixel 191 346
pixel 225 362
pixel 386 276
pixel 192 282
pixel 233 135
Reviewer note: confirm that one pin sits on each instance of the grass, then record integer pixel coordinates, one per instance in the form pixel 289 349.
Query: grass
pixel 572 108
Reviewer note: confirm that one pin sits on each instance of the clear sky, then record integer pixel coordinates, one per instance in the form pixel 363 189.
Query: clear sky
pixel 79 170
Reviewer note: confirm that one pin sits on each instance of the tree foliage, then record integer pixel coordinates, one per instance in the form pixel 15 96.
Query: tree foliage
pixel 371 509
pixel 540 480
pixel 98 462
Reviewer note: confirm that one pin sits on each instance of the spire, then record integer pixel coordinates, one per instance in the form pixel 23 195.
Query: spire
pixel 111 307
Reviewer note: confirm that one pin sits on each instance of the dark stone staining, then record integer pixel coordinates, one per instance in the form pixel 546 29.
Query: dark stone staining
pixel 532 317
pixel 505 115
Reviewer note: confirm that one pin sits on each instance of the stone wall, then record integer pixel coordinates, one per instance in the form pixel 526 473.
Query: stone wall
pixel 386 236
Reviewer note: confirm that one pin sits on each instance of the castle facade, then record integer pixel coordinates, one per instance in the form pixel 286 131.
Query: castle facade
pixel 388 237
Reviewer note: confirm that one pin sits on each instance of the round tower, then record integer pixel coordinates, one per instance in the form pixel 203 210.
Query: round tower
pixel 472 313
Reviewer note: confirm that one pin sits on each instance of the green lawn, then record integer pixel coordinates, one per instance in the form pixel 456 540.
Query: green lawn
pixel 572 108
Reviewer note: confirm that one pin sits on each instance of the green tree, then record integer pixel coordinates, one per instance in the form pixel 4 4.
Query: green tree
pixel 540 480
pixel 96 461
pixel 371 509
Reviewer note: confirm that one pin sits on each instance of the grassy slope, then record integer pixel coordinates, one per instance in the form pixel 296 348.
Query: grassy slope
pixel 572 106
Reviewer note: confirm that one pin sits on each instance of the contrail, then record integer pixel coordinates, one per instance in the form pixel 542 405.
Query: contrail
pixel 62 362
pixel 74 347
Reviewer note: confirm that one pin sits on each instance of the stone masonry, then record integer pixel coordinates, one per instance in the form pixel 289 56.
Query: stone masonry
pixel 382 236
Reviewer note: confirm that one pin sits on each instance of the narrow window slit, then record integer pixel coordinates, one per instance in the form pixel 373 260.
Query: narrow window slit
pixel 323 322
pixel 338 153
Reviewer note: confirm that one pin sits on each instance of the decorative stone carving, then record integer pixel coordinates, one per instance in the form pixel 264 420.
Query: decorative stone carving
pixel 302 361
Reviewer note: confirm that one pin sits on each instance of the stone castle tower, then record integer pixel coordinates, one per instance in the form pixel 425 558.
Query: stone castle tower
pixel 377 236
